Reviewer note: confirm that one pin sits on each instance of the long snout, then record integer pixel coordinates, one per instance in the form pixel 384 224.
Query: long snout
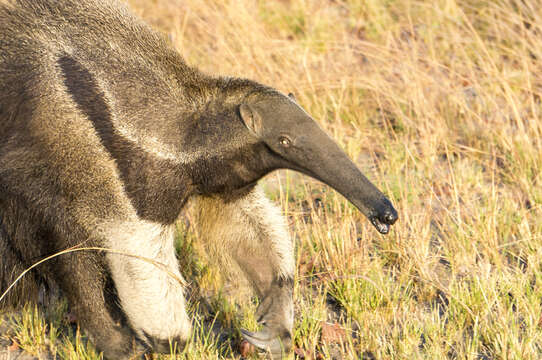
pixel 329 164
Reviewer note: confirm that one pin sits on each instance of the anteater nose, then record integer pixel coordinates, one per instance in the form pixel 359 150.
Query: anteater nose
pixel 390 216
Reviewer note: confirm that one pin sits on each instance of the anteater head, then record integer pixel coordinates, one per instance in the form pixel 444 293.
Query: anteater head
pixel 295 141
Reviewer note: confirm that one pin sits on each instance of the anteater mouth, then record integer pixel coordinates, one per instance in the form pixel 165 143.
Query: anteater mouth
pixel 379 225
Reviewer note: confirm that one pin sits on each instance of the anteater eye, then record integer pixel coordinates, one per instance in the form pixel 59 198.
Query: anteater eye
pixel 284 141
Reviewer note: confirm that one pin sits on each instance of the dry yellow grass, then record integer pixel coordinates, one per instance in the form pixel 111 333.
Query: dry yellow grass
pixel 439 102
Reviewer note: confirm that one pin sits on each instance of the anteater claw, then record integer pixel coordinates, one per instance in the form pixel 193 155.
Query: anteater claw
pixel 266 341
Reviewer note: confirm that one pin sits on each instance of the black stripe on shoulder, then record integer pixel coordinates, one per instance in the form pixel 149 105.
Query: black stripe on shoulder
pixel 152 184
pixel 89 98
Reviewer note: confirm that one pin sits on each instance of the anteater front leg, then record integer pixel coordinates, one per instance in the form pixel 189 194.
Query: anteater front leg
pixel 140 266
pixel 146 274
pixel 248 234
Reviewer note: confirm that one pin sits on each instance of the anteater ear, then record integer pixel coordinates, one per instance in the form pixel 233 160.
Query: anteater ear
pixel 292 96
pixel 251 118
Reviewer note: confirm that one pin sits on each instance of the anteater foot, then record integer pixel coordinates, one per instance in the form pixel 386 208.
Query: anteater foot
pixel 269 341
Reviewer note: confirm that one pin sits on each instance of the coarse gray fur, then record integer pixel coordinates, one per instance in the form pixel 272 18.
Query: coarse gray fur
pixel 105 134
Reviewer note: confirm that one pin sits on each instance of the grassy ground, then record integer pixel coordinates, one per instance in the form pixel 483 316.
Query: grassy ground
pixel 439 102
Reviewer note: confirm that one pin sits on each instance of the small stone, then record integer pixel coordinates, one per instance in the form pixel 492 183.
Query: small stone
pixel 14 346
pixel 246 348
pixel 332 333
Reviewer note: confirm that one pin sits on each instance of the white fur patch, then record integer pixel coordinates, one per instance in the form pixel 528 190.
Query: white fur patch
pixel 152 145
pixel 271 225
pixel 152 299
pixel 252 223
